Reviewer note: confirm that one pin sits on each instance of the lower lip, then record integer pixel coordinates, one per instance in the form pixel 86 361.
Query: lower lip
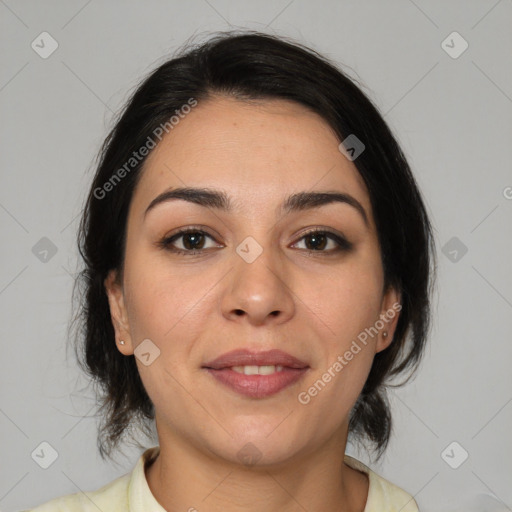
pixel 258 386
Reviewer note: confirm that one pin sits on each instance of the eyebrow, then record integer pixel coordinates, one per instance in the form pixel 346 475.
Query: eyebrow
pixel 219 200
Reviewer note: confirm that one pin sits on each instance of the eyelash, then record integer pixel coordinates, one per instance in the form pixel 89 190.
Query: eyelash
pixel 343 244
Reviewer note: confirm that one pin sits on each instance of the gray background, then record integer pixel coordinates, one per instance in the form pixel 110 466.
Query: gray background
pixel 453 119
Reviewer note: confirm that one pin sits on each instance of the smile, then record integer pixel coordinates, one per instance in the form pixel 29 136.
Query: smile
pixel 257 370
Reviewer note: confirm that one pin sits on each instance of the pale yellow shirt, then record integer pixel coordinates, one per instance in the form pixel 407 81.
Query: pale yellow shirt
pixel 131 493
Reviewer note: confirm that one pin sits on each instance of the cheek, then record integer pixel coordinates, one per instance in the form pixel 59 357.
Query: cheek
pixel 163 302
pixel 346 304
pixel 171 310
pixel 345 299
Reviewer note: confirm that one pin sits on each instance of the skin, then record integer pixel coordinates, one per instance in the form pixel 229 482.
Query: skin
pixel 195 308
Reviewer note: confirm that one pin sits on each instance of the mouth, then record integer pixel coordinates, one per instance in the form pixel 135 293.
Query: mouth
pixel 256 375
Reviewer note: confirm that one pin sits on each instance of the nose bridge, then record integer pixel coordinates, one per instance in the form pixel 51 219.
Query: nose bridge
pixel 258 287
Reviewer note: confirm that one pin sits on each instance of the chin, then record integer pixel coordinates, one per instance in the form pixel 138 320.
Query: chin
pixel 261 446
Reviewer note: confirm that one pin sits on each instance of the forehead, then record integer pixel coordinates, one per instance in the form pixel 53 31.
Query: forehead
pixel 257 152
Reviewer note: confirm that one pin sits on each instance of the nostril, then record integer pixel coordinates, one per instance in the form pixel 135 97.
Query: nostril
pixel 239 312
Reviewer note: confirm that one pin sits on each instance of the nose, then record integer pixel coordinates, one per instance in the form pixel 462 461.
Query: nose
pixel 259 292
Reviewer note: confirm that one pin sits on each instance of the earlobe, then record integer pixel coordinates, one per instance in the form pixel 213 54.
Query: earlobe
pixel 390 312
pixel 118 312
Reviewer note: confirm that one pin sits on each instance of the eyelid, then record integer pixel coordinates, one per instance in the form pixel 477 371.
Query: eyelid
pixel 338 237
pixel 192 229
pixel 167 240
pixel 322 229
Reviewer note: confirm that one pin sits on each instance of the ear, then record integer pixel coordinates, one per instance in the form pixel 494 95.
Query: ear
pixel 390 312
pixel 118 313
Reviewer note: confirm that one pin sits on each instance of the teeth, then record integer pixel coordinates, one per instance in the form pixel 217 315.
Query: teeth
pixel 257 370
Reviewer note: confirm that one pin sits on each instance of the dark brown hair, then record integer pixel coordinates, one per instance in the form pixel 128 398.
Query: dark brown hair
pixel 248 66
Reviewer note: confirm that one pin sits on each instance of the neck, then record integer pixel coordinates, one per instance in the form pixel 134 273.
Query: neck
pixel 184 478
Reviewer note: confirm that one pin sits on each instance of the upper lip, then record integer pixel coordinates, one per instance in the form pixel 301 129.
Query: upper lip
pixel 242 357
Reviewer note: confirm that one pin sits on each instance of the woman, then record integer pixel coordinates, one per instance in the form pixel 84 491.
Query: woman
pixel 257 268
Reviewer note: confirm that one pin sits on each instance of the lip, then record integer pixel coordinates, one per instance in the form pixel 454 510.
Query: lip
pixel 243 357
pixel 257 386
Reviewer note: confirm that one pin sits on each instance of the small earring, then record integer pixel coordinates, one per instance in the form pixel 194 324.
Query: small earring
pixel 121 342
pixel 385 334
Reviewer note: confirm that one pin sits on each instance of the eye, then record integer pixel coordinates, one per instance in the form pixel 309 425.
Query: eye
pixel 187 241
pixel 318 240
pixel 192 241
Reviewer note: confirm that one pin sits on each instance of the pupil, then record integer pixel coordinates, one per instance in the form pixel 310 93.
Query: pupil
pixel 315 239
pixel 194 238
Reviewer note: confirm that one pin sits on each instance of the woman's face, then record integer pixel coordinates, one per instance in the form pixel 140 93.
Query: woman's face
pixel 250 278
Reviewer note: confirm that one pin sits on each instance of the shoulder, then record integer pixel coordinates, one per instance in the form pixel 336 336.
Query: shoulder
pixel 112 497
pixel 383 496
pixel 128 492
